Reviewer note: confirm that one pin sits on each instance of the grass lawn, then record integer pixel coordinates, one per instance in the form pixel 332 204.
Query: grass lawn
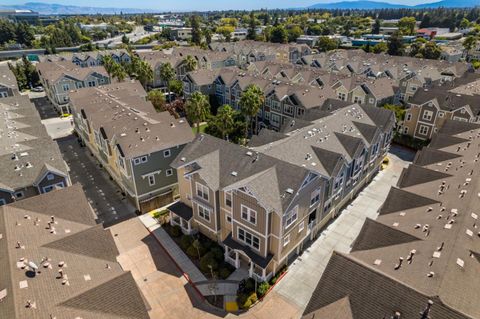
pixel 202 128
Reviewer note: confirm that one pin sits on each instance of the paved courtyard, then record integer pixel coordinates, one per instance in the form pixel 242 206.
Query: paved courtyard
pixel 304 274
pixel 102 193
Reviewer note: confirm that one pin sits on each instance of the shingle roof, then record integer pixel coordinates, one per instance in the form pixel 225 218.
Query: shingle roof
pixel 52 71
pixel 399 200
pixel 7 78
pixel 414 175
pixel 92 285
pixel 430 156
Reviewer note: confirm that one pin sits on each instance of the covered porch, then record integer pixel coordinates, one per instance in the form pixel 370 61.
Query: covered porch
pixel 181 215
pixel 239 255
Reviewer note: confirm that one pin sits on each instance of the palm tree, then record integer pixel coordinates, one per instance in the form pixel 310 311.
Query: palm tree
pixel 250 103
pixel 197 108
pixel 158 100
pixel 108 63
pixel 190 63
pixel 118 72
pixel 167 73
pixel 144 72
pixel 225 120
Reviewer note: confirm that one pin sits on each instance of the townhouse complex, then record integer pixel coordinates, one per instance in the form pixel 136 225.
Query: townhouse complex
pixel 8 82
pixel 431 107
pixel 176 57
pixel 245 52
pixel 266 202
pixel 88 59
pixel 60 77
pixel 133 142
pixel 30 161
pixel 58 263
pixel 420 257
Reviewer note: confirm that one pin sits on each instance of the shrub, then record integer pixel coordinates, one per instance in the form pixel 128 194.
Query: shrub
pixel 263 288
pixel 224 273
pixel 192 252
pixel 175 231
pixel 246 301
pixel 185 242
pixel 208 260
pixel 217 253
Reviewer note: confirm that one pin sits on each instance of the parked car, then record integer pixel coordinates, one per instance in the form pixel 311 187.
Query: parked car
pixel 38 89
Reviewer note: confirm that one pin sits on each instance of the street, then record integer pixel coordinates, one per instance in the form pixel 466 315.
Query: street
pixel 110 206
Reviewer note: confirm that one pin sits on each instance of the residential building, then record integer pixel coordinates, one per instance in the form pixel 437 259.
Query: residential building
pixel 201 81
pixel 205 59
pixel 89 59
pixel 59 78
pixel 419 258
pixel 429 108
pixel 252 51
pixel 58 263
pixel 263 204
pixel 133 142
pixel 182 33
pixel 452 53
pixel 30 162
pixel 310 40
pixel 8 82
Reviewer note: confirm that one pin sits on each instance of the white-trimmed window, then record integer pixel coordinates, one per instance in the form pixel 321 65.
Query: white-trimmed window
pixel 167 153
pixel 202 191
pixel 248 238
pixel 275 120
pixel 228 199
pixel 121 162
pixel 315 197
pixel 140 160
pixel 405 130
pixel 91 83
pixel 301 226
pixel 151 180
pixel 371 100
pixel 204 212
pixel 288 109
pixel 423 130
pixel 169 172
pixel 66 87
pixel 357 99
pixel 19 195
pixel 441 114
pixel 50 176
pixel 249 214
pixel 408 117
pixel 342 96
pixel 2 201
pixel 427 115
pixel 286 240
pixel 291 217
pixel 228 218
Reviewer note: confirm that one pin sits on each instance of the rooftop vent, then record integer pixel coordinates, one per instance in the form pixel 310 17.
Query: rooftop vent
pixel 289 191
pixel 233 173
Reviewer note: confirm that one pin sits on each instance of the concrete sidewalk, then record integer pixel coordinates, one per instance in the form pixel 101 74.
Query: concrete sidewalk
pixel 304 274
pixel 172 249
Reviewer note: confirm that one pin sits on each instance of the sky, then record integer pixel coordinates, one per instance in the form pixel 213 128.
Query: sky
pixel 201 5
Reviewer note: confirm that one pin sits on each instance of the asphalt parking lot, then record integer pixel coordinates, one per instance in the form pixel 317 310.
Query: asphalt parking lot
pixel 102 193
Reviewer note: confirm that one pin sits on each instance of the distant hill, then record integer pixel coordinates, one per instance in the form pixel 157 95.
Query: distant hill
pixel 60 9
pixel 366 4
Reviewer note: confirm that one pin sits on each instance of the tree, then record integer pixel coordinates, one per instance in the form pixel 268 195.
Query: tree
pixel 197 108
pixel 125 39
pixel 158 99
pixel 293 33
pixel 207 33
pixel 196 31
pixel 225 120
pixel 470 43
pixel 252 26
pixel 190 63
pixel 118 72
pixel 197 245
pixel 431 51
pixel 380 48
pixel 167 73
pixel 406 25
pixel 250 103
pixel 278 34
pixel 226 31
pixel 395 44
pixel 326 44
pixel 176 86
pixel 142 71
pixel 376 27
